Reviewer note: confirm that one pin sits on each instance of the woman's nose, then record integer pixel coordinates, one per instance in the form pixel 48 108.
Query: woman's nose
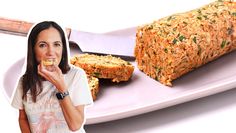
pixel 50 50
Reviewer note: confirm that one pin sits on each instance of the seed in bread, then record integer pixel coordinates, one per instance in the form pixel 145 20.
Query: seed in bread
pixel 107 67
pixel 175 45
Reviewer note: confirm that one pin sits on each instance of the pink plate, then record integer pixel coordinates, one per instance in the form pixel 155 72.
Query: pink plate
pixel 142 94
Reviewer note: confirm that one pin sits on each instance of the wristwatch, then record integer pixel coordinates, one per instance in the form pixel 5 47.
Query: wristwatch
pixel 60 96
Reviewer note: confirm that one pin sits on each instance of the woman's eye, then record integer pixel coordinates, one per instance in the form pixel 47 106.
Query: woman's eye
pixel 57 44
pixel 41 45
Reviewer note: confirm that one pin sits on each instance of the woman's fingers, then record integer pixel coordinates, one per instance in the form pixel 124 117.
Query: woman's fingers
pixel 41 72
pixel 51 73
pixel 54 76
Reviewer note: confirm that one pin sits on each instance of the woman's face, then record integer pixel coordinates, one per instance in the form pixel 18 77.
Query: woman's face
pixel 49 46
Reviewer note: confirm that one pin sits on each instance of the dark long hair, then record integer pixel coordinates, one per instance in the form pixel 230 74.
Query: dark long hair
pixel 31 79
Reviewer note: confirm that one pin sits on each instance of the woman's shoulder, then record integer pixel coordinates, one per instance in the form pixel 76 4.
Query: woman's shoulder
pixel 74 73
pixel 75 70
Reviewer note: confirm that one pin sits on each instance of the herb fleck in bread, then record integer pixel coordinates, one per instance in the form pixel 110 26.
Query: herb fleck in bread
pixel 107 67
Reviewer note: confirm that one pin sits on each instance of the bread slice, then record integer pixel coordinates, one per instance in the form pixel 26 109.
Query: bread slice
pixel 94 86
pixel 106 67
pixel 49 62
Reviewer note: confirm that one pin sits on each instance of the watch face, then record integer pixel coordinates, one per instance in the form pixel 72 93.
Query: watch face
pixel 59 96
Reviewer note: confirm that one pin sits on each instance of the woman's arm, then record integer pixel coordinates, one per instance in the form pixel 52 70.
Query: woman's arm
pixel 74 116
pixel 23 122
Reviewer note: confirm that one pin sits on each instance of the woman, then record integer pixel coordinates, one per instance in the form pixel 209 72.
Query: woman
pixel 51 95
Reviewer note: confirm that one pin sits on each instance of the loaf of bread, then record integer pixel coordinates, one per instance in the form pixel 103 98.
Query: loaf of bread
pixel 175 45
pixel 94 86
pixel 106 67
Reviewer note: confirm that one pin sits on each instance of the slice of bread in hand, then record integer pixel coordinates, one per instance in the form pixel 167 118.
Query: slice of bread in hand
pixel 107 67
pixel 49 62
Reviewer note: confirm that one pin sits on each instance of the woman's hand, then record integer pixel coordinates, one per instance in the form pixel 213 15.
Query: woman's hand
pixel 53 74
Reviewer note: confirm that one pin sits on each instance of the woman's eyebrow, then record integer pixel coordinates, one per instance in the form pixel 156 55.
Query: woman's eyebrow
pixel 41 42
pixel 57 42
pixel 47 42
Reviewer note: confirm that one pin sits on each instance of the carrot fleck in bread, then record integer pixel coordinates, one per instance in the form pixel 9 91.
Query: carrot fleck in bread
pixel 94 86
pixel 107 67
pixel 172 46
